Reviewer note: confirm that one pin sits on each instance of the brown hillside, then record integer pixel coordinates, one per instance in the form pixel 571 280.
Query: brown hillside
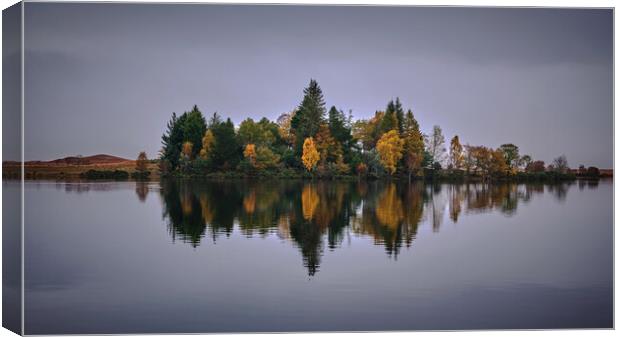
pixel 89 160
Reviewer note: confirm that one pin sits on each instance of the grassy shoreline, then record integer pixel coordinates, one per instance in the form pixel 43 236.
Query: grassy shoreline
pixel 126 171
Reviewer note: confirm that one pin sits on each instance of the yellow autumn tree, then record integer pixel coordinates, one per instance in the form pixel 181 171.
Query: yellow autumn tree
pixel 310 155
pixel 390 147
pixel 141 162
pixel 250 154
pixel 208 141
pixel 456 153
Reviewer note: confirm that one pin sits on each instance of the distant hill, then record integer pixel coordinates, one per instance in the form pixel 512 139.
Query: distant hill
pixel 88 160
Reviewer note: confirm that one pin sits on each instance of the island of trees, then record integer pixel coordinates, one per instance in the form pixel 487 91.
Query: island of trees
pixel 311 141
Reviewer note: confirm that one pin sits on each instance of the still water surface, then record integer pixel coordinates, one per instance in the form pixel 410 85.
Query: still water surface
pixel 126 257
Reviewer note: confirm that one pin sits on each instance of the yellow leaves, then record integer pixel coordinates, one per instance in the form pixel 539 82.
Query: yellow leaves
pixel 310 155
pixel 456 153
pixel 326 144
pixel 389 209
pixel 250 153
pixel 260 157
pixel 208 142
pixel 309 201
pixel 390 148
pixel 488 161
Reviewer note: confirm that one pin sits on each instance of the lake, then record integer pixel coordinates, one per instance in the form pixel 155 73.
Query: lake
pixel 239 256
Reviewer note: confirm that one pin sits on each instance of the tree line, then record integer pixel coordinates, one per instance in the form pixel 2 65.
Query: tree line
pixel 311 141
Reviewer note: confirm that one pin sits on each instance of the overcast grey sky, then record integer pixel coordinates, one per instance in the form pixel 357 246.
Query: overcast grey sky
pixel 105 78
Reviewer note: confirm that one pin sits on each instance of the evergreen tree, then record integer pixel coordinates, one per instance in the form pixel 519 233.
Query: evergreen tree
pixel 189 127
pixel 171 141
pixel 414 144
pixel 390 119
pixel 400 115
pixel 226 152
pixel 194 128
pixel 340 129
pixel 310 114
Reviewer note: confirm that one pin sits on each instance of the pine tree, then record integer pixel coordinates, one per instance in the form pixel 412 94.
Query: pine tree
pixel 340 129
pixel 226 153
pixel 400 115
pixel 194 129
pixel 309 116
pixel 414 144
pixel 390 119
pixel 171 141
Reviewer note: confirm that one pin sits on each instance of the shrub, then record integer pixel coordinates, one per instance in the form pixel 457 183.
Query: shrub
pixel 105 174
pixel 593 172
pixel 140 175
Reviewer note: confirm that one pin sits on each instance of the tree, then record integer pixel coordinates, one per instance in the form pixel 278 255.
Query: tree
pixel 511 155
pixel 390 148
pixel 226 152
pixel 262 133
pixel 435 145
pixel 329 149
pixel 535 166
pixel 414 144
pixel 141 162
pixel 284 128
pixel 265 158
pixel 250 153
pixel 310 155
pixel 560 164
pixel 340 128
pixel 456 153
pixel 593 171
pixel 194 128
pixel 498 165
pixel 361 169
pixel 481 159
pixel 525 161
pixel 171 141
pixel 186 155
pixel 187 150
pixel 310 115
pixel 369 131
pixel 208 142
pixel 468 159
pixel 362 132
pixel 214 120
pixel 190 126
pixel 400 115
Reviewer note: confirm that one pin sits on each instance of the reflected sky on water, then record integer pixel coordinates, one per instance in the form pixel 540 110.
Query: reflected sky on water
pixel 188 256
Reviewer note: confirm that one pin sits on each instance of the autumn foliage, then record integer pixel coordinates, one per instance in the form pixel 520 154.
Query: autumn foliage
pixel 310 154
pixel 329 143
pixel 390 148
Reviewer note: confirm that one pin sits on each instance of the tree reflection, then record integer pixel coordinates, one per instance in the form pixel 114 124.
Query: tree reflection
pixel 142 190
pixel 315 216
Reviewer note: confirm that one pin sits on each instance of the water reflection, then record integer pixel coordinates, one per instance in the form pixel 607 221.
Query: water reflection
pixel 315 216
